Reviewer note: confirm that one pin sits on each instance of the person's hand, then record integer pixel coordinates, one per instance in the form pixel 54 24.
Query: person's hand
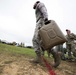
pixel 46 19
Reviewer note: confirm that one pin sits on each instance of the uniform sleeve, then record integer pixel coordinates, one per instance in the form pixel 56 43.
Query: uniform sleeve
pixel 72 36
pixel 43 10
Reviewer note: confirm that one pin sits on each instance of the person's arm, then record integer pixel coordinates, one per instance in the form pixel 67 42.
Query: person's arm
pixel 73 36
pixel 43 10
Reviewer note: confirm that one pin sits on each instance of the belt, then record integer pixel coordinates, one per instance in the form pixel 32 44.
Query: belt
pixel 38 19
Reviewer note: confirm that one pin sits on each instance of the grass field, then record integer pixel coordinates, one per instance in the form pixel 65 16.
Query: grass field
pixel 17 50
pixel 28 52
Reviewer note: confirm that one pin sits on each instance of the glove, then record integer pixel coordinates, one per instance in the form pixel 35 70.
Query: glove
pixel 46 21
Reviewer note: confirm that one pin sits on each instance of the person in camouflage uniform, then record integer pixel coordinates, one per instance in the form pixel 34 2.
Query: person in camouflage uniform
pixel 41 18
pixel 60 48
pixel 70 45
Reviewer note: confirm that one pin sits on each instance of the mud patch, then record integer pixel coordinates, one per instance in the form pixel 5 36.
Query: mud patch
pixel 20 65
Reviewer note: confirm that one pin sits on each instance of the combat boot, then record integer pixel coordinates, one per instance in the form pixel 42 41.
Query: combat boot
pixel 38 57
pixel 57 58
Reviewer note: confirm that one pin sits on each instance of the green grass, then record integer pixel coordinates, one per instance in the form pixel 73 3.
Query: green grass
pixel 16 50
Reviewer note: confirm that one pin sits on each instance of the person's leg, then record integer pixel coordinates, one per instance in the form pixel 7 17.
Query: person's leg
pixel 57 58
pixel 69 52
pixel 62 53
pixel 37 49
pixel 74 52
pixel 36 41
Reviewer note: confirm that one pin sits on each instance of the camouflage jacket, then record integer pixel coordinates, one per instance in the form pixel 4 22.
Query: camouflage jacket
pixel 41 11
pixel 70 38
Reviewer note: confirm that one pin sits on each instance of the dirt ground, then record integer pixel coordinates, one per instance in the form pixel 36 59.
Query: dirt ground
pixel 20 65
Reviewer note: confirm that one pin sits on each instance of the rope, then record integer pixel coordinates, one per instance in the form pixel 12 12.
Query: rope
pixel 51 72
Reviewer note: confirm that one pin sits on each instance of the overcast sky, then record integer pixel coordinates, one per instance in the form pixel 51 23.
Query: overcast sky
pixel 17 18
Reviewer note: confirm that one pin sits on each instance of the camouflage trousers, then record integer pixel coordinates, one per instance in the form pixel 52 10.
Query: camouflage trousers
pixel 36 37
pixel 59 48
pixel 71 49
